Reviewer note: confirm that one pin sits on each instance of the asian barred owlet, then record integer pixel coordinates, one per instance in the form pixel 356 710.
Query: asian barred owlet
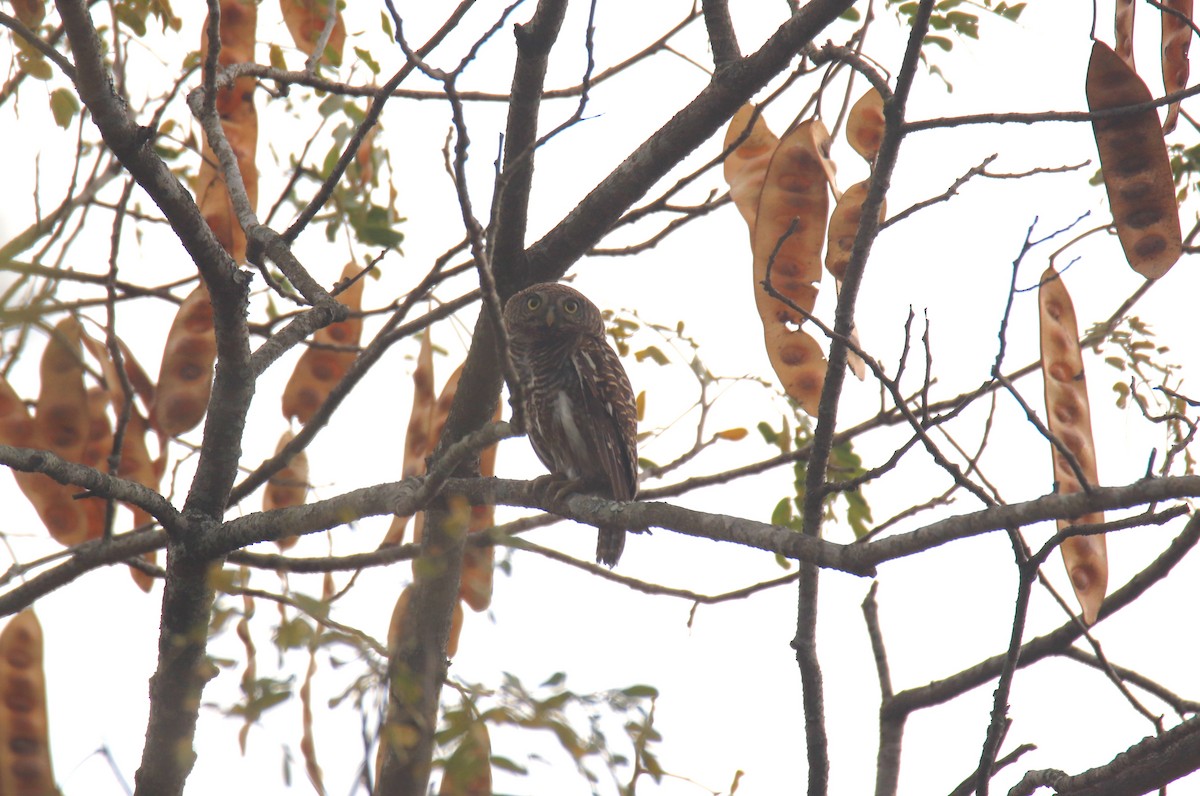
pixel 579 409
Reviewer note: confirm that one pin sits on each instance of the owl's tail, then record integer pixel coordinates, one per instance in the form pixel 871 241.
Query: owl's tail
pixel 609 545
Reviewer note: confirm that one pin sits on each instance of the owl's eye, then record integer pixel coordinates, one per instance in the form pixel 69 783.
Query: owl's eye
pixel 533 302
pixel 571 306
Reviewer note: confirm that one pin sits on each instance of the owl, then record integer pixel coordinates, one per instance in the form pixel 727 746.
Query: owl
pixel 579 409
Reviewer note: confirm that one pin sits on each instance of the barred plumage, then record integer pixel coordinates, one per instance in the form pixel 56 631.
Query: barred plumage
pixel 579 408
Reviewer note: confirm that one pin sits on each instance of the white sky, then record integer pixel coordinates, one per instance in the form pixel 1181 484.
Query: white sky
pixel 729 685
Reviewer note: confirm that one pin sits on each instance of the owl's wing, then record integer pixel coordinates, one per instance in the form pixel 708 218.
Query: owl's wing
pixel 613 412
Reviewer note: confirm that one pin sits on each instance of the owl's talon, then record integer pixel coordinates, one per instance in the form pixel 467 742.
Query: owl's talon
pixel 553 488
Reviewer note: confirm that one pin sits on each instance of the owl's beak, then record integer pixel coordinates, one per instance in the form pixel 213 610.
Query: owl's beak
pixel 550 317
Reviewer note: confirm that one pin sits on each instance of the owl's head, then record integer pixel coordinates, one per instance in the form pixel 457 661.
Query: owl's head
pixel 552 309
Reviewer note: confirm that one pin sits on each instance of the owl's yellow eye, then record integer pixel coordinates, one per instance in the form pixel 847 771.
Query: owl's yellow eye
pixel 533 302
pixel 571 306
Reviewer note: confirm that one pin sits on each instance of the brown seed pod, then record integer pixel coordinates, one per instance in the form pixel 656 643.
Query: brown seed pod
pixel 320 368
pixel 305 20
pixel 864 125
pixel 1135 167
pixel 61 421
pixel 1123 17
pixel 186 374
pixel 1069 419
pixel 843 227
pixel 63 517
pixel 478 567
pixel 401 610
pixel 1176 40
pixel 25 768
pixel 239 121
pixel 746 166
pixel 16 426
pixel 288 487
pixel 788 236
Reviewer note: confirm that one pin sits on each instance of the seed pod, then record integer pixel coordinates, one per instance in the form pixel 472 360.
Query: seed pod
pixel 395 627
pixel 1135 167
pixel 186 374
pixel 305 20
pixel 95 454
pixel 746 166
pixel 288 487
pixel 418 440
pixel 25 768
pixel 136 465
pixel 61 421
pixel 320 368
pixel 61 426
pixel 1176 40
pixel 788 236
pixel 478 567
pixel 1070 421
pixel 799 362
pixel 239 121
pixel 16 426
pixel 864 125
pixel 1123 24
pixel 63 517
pixel 843 227
pixel 790 227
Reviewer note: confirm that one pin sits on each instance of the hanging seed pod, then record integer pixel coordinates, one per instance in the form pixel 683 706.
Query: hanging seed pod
pixel 1135 167
pixel 864 125
pixel 288 487
pixel 843 227
pixel 746 166
pixel 1176 40
pixel 788 236
pixel 1070 421
pixel 61 420
pixel 321 367
pixel 186 374
pixel 25 768
pixel 305 20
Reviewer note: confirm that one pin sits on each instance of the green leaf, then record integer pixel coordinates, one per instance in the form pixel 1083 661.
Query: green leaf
pixel 640 692
pixel 1011 13
pixel 331 105
pixel 293 634
pixel 782 513
pixel 365 57
pixel 555 680
pixel 276 57
pixel 767 432
pixel 35 66
pixel 64 106
pixel 851 15
pixel 376 228
pixel 940 41
pixel 132 17
pixel 858 513
pixel 504 764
